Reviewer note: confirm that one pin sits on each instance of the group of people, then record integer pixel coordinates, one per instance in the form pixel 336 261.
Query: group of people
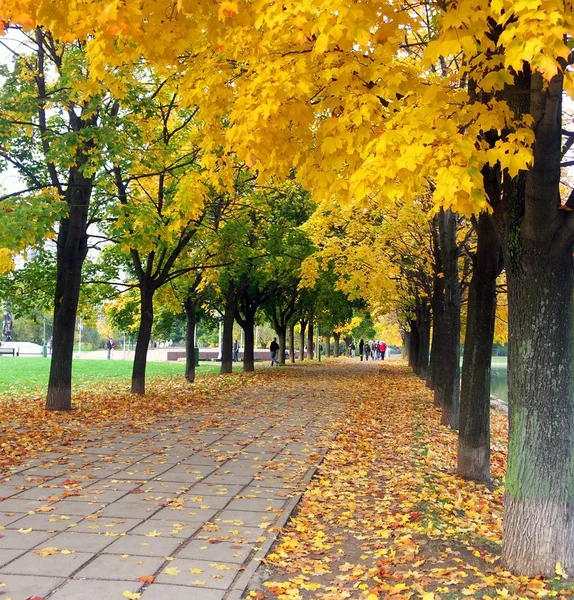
pixel 375 350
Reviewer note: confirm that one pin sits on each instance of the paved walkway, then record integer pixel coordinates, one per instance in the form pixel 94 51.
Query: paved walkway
pixel 184 511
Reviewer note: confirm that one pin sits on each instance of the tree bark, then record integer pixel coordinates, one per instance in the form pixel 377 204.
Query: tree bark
pixel 539 492
pixel 337 339
pixel 282 335
pixel 303 325
pixel 72 248
pixel 191 320
pixel 437 306
pixel 473 459
pixel 144 337
pixel 310 340
pixel 227 340
pixel 406 349
pixel 327 346
pixel 413 347
pixel 249 344
pixel 539 479
pixel 423 330
pixel 447 322
pixel 292 343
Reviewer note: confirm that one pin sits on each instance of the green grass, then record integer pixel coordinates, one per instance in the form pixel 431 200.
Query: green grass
pixel 499 360
pixel 29 375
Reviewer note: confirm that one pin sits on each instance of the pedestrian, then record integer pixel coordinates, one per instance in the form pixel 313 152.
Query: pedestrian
pixel 367 351
pixel 235 351
pixel 353 348
pixel 383 350
pixel 361 348
pixel 110 346
pixel 274 349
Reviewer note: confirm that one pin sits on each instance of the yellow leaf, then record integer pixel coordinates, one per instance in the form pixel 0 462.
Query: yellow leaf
pixel 172 571
pixel 560 571
pixel 153 533
pixel 131 595
pixel 46 551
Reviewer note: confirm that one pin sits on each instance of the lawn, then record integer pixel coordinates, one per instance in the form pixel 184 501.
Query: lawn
pixel 29 375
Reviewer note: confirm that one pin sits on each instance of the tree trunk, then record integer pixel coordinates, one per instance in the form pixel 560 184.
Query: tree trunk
pixel 72 248
pixel 292 343
pixel 227 341
pixel 437 305
pixel 144 337
pixel 447 373
pixel 327 346
pixel 538 523
pixel 413 344
pixel 539 480
pixel 406 349
pixel 423 330
pixel 310 341
pixel 190 314
pixel 473 460
pixel 337 338
pixel 249 344
pixel 303 325
pixel 282 334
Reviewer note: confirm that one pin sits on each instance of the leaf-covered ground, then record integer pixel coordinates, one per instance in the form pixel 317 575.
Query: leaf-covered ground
pixel 27 429
pixel 385 516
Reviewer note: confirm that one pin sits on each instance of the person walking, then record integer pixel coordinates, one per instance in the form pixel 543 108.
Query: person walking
pixel 235 351
pixel 274 349
pixel 110 346
pixel 361 348
pixel 383 350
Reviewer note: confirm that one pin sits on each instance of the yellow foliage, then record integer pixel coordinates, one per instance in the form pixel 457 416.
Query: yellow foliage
pixel 6 261
pixel 333 89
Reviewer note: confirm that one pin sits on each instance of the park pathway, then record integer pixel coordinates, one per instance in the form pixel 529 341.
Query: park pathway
pixel 183 511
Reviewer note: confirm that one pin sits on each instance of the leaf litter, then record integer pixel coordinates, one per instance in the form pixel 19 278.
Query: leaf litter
pixel 386 517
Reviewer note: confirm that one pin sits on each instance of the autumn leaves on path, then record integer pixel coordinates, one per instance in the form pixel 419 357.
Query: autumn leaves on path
pixel 170 497
pixel 181 493
pixel 385 517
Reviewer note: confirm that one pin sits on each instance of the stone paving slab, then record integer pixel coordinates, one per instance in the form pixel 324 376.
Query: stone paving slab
pixel 60 565
pixel 97 589
pixel 22 587
pixel 192 506
pixel 159 591
pixel 123 567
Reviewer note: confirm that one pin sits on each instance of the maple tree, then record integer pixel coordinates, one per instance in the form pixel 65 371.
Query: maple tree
pixel 162 201
pixel 53 131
